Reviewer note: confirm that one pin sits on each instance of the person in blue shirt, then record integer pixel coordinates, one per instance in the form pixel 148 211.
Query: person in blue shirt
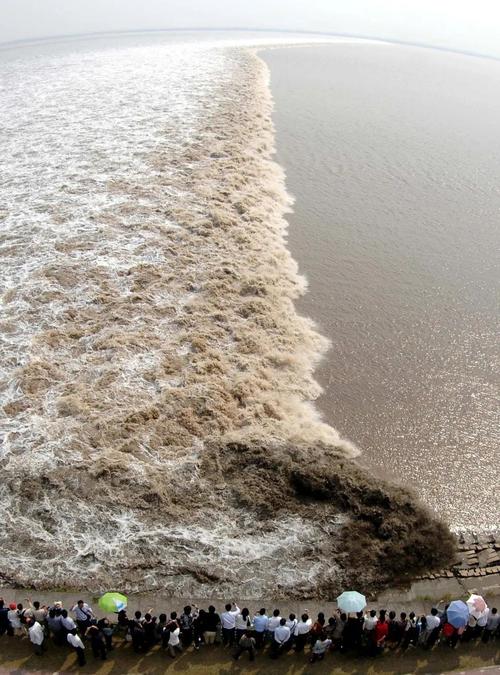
pixel 260 624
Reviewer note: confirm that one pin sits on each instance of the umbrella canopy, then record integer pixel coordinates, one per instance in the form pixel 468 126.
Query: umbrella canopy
pixel 458 614
pixel 112 602
pixel 351 601
pixel 477 606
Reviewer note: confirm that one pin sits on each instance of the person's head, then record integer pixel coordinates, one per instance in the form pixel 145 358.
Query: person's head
pixel 36 604
pixel 276 612
pixel 73 631
pixel 80 603
pixel 382 614
pixel 423 621
pixel 173 616
pixel 104 622
pixel 403 616
pixel 322 636
pixel 245 612
pixel 29 621
pixel 321 616
pixel 292 617
pixel 343 617
pixel 138 615
pixel 187 609
pixel 211 609
pixel 262 611
pixel 2 602
pixel 282 622
pixel 248 634
pixel 20 606
pixel 163 618
pixel 147 616
pixel 412 616
pixel 52 613
pixel 331 621
pixel 64 613
pixel 13 606
pixel 494 610
pixel 228 606
pixel 373 613
pixel 392 615
pixel 434 611
pixel 304 617
pixel 359 615
pixel 201 613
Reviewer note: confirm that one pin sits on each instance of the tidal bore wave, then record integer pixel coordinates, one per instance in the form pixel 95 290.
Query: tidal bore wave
pixel 157 381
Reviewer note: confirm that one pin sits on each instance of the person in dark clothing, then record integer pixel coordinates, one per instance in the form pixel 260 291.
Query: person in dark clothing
pixel 186 624
pixel 212 620
pixel 160 625
pixel 97 642
pixel 5 626
pixel 199 627
pixel 393 631
pixel 107 631
pixel 137 633
pixel 149 627
pixel 246 644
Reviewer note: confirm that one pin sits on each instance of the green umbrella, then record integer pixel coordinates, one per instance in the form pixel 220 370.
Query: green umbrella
pixel 112 602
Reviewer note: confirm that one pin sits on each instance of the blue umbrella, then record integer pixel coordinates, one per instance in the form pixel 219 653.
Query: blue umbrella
pixel 351 601
pixel 457 614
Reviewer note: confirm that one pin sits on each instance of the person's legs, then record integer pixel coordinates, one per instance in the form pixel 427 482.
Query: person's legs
pixel 239 651
pixel 259 639
pixel 486 636
pixel 300 642
pixel 80 653
pixel 171 651
pixel 38 649
pixel 314 657
pixel 209 636
pixel 251 653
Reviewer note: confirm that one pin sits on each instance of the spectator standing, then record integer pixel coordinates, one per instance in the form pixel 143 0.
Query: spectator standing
pixel 15 619
pixel 174 643
pixel 186 625
pixel 107 631
pixel 83 615
pixel 36 635
pixel 74 640
pixel 55 626
pixel 302 630
pixel 97 643
pixel 228 621
pixel 212 620
pixel 5 626
pixel 281 635
pixel 274 622
pixel 260 624
pixel 242 623
pixel 492 624
pixel 433 627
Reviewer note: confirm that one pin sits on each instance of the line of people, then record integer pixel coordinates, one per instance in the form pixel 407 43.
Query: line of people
pixel 367 633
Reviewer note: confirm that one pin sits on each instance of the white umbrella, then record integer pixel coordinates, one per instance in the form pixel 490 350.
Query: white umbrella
pixel 351 601
pixel 477 605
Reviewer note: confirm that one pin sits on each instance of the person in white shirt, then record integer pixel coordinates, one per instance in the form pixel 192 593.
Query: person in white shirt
pixel 74 640
pixel 83 615
pixel 228 621
pixel 302 630
pixel 281 635
pixel 370 621
pixel 319 648
pixel 67 622
pixel 291 623
pixel 274 622
pixel 14 619
pixel 36 635
pixel 433 628
pixel 242 623
pixel 174 642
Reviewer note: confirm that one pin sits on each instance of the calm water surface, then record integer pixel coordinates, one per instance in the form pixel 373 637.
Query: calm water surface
pixel 393 155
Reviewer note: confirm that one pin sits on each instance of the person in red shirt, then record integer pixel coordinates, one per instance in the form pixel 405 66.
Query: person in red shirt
pixel 381 631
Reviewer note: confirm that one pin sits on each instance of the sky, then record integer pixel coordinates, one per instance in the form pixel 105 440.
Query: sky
pixel 472 26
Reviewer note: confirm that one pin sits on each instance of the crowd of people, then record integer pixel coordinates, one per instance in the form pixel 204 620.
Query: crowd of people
pixel 362 633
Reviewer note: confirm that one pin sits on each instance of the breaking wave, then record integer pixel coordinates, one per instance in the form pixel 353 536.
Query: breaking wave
pixel 157 382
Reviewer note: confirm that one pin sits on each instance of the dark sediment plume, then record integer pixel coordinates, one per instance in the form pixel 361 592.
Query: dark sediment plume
pixel 164 435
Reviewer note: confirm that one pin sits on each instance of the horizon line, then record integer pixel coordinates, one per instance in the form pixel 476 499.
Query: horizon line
pixel 59 37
